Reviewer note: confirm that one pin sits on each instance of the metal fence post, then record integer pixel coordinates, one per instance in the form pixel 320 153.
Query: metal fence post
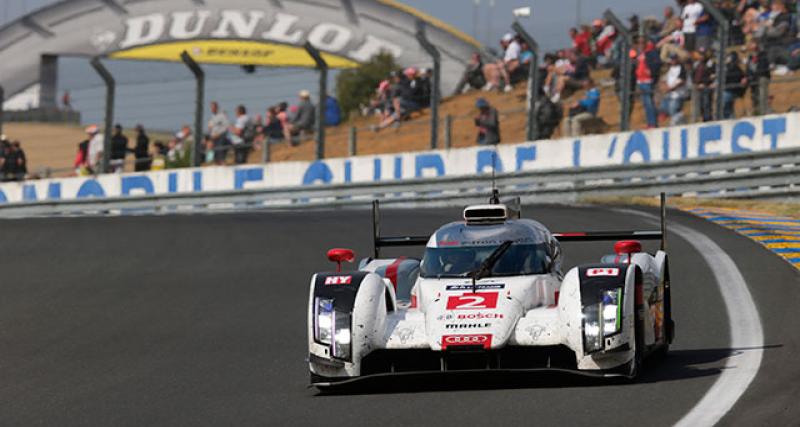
pixel 322 67
pixel 448 131
pixel 352 141
pixel 2 102
pixel 532 125
pixel 625 71
pixel 266 151
pixel 695 104
pixel 200 78
pixel 108 79
pixel 763 95
pixel 435 80
pixel 723 33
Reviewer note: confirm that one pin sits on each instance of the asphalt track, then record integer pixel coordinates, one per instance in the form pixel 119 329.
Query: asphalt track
pixel 200 320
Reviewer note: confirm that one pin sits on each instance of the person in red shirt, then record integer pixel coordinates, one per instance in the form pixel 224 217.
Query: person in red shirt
pixel 581 41
pixel 646 70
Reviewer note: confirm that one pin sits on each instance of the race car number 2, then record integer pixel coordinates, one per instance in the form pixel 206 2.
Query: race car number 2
pixel 477 301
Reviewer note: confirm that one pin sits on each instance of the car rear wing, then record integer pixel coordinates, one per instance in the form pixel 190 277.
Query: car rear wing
pixel 599 236
pixel 591 236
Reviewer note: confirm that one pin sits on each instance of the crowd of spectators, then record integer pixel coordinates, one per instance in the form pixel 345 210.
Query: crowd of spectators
pixel 400 95
pixel 13 163
pixel 227 137
pixel 672 58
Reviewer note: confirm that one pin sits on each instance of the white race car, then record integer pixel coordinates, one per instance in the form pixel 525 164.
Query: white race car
pixel 489 294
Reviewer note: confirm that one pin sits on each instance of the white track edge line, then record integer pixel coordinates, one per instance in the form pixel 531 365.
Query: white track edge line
pixel 747 333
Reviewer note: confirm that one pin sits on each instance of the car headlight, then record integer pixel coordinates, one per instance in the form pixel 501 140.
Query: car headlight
pixel 332 328
pixel 612 311
pixel 341 341
pixel 323 326
pixel 601 320
pixel 592 333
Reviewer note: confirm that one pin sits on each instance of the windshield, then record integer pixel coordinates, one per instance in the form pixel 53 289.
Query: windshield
pixel 459 261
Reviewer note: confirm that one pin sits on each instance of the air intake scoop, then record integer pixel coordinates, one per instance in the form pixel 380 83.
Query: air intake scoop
pixel 485 214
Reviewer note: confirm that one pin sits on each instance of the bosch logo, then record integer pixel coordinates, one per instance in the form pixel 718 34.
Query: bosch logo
pixel 338 280
pixel 484 340
pixel 598 272
pixel 479 316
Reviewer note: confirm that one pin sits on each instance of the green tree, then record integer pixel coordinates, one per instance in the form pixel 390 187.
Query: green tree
pixel 355 87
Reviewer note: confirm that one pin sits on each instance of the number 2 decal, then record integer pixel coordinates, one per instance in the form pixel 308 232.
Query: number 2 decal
pixel 482 300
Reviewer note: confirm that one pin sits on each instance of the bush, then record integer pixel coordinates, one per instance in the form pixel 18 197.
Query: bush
pixel 355 87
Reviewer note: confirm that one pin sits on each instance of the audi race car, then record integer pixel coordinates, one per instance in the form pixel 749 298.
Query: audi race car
pixel 490 294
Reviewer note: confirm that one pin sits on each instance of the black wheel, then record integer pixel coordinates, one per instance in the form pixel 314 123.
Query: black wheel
pixel 634 367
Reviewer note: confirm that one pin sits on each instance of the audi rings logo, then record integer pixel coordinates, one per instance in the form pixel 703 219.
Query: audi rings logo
pixel 483 340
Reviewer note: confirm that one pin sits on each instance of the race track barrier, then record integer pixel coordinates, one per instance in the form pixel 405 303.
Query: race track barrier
pixel 769 174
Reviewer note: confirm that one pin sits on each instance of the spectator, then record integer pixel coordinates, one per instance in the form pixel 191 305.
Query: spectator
pixel 479 75
pixel 646 71
pixel 14 164
pixel 704 31
pixel 208 151
pixel 674 89
pixel 702 81
pixel 511 52
pixel 81 165
pixel 604 41
pixel 66 101
pixel 218 129
pixel 583 110
pixel 691 15
pixel 581 41
pixel 488 123
pixel 303 121
pixel 242 135
pixel 670 24
pixel 402 102
pixel 420 84
pixel 672 44
pixel 174 156
pixel 735 85
pixel 757 68
pixel 119 148
pixel 95 150
pixel 141 150
pixel 158 154
pixel 273 128
pixel 776 33
pixel 333 114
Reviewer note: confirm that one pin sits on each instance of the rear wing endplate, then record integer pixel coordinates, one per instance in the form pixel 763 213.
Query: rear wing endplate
pixel 388 242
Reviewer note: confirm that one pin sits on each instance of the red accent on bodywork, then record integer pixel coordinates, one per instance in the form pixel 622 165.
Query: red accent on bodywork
pixel 413 301
pixel 555 303
pixel 570 234
pixel 391 271
pixel 470 301
pixel 483 340
pixel 340 255
pixel 627 247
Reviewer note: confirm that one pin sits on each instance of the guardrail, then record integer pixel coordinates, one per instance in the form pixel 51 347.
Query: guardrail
pixel 774 174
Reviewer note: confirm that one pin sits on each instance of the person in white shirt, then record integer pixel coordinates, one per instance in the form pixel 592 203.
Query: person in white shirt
pixel 675 90
pixel 511 52
pixel 238 135
pixel 95 152
pixel 691 16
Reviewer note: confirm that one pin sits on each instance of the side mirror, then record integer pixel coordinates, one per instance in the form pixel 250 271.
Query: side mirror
pixel 339 255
